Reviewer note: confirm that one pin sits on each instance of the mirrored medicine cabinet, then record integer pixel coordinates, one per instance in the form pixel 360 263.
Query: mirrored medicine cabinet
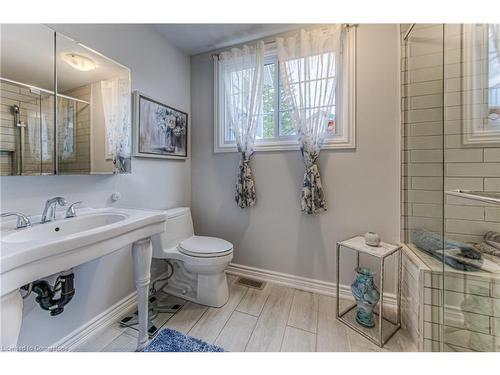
pixel 65 108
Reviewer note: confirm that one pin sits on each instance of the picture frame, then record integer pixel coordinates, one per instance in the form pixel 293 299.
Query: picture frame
pixel 160 131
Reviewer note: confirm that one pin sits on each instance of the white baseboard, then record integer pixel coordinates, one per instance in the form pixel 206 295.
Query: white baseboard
pixel 104 319
pixel 298 282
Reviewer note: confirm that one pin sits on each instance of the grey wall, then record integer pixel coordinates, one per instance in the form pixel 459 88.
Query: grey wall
pixel 362 185
pixel 158 70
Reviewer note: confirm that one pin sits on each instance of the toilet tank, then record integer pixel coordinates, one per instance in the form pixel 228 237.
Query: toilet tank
pixel 178 227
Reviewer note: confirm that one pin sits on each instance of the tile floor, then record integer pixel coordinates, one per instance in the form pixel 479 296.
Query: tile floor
pixel 276 318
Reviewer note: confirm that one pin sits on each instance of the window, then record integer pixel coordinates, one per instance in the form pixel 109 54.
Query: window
pixel 480 84
pixel 276 130
pixel 494 76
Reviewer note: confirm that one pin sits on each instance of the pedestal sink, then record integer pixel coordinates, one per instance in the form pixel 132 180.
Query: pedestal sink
pixel 59 229
pixel 33 253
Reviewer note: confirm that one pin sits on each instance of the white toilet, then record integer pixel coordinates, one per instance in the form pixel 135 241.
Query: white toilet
pixel 198 261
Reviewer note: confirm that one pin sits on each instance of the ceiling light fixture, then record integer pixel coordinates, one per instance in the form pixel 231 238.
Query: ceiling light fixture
pixel 79 62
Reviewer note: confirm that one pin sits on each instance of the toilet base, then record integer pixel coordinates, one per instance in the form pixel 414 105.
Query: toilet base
pixel 204 289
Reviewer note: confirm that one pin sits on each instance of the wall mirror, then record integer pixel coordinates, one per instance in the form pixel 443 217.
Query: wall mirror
pixel 27 100
pixel 65 109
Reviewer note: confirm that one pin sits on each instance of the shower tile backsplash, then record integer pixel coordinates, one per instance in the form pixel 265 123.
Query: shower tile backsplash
pixel 428 159
pixel 458 313
pixel 38 151
pixel 30 105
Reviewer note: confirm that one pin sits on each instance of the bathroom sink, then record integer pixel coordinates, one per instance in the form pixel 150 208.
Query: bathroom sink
pixel 63 228
pixel 44 249
pixel 33 253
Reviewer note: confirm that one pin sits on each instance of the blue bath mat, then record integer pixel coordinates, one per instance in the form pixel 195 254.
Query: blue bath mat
pixel 169 340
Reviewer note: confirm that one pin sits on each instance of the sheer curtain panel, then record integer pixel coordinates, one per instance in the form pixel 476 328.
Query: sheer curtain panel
pixel 241 71
pixel 309 66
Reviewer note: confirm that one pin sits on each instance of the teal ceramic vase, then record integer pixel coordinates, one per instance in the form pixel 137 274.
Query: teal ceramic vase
pixel 366 295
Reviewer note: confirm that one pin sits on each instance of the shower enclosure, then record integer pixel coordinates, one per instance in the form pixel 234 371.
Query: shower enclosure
pixel 24 123
pixel 27 138
pixel 451 179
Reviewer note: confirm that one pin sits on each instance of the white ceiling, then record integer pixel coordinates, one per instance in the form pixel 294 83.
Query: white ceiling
pixel 198 38
pixel 28 57
pixel 28 50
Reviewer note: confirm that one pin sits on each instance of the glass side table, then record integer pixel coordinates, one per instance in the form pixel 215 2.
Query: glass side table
pixel 384 327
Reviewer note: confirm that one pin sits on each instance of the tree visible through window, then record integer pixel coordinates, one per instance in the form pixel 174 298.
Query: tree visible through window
pixel 493 76
pixel 275 127
pixel 276 119
pixel 268 102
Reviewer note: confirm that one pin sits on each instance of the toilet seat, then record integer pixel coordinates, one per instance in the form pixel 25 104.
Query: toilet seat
pixel 205 247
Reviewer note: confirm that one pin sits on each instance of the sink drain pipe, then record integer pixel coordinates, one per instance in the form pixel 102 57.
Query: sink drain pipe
pixel 54 298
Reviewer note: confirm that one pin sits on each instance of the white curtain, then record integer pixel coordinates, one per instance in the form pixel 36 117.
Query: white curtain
pixel 116 99
pixel 65 128
pixel 34 132
pixel 241 71
pixel 310 67
pixel 46 127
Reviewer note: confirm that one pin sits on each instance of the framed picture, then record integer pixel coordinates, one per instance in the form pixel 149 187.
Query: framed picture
pixel 160 130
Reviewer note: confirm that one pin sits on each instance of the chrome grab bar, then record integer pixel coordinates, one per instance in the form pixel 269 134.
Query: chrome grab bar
pixel 481 196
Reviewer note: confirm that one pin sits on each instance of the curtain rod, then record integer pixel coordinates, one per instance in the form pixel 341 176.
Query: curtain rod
pixel 346 25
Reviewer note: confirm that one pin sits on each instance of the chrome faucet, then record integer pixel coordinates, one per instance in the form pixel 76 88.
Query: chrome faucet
pixel 49 212
pixel 70 212
pixel 22 220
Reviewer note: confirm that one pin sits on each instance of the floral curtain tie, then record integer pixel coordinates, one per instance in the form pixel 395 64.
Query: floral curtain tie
pixel 313 199
pixel 245 188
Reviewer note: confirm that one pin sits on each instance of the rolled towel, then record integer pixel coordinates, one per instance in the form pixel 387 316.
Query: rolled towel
pixel 484 247
pixel 433 242
pixel 496 245
pixel 492 236
pixel 456 255
pixel 493 239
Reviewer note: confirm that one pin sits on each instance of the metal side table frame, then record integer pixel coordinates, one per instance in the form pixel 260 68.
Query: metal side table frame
pixel 381 252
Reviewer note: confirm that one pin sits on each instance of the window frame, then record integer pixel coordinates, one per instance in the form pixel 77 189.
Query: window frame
pixel 345 113
pixel 474 59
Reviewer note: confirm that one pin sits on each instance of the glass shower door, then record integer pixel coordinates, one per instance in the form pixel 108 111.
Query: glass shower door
pixel 471 287
pixel 26 130
pixel 423 140
pixel 422 176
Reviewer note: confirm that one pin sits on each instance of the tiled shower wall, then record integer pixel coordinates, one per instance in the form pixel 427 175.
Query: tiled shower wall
pixel 30 105
pixel 470 168
pixel 79 163
pixel 460 310
pixel 431 126
pixel 422 143
pixel 411 301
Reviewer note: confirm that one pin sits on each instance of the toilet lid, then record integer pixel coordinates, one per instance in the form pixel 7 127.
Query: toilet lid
pixel 201 246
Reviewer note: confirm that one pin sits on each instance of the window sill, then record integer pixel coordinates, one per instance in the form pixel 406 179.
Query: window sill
pixel 288 146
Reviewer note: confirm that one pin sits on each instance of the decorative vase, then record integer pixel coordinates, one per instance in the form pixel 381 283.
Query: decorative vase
pixel 366 295
pixel 372 239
